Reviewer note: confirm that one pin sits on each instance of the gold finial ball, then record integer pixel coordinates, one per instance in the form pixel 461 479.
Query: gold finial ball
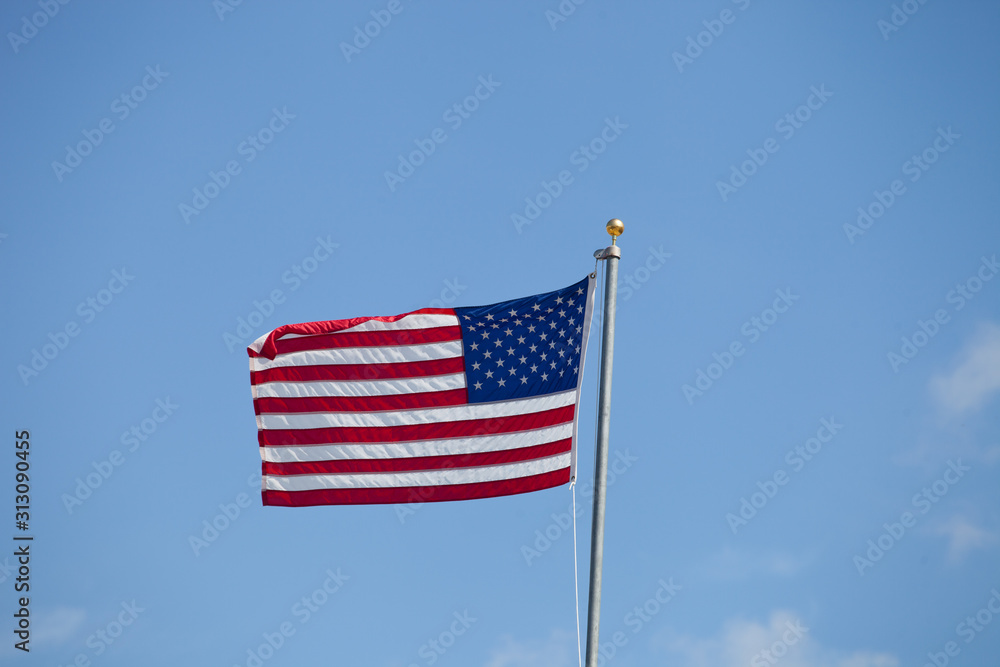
pixel 615 227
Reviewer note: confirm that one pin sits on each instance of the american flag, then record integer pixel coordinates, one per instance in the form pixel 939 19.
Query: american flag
pixel 436 404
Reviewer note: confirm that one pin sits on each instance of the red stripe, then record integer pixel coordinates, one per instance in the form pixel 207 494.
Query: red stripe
pixel 429 399
pixel 352 372
pixel 340 466
pixel 369 339
pixel 269 347
pixel 455 429
pixel 412 494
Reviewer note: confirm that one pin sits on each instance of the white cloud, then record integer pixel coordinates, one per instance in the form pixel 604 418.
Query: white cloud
pixel 742 642
pixel 958 395
pixel 934 448
pixel 559 650
pixel 55 626
pixel 975 379
pixel 963 536
pixel 732 564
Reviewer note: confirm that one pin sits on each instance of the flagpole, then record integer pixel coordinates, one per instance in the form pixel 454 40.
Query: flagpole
pixel 611 254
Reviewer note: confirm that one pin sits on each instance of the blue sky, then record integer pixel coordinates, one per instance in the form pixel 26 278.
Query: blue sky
pixel 805 407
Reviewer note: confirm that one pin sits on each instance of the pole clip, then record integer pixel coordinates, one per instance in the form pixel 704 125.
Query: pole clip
pixel 610 251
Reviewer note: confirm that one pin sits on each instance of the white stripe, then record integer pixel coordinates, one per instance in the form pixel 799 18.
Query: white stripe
pixel 587 315
pixel 402 450
pixel 419 478
pixel 361 388
pixel 509 408
pixel 363 355
pixel 419 321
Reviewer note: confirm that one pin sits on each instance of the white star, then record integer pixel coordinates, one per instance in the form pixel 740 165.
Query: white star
pixel 513 313
pixel 579 309
pixel 524 380
pixel 475 366
pixel 479 385
pixel 552 344
pixel 552 325
pixel 549 310
pixel 544 355
pixel 486 334
pixel 553 365
pixel 468 317
pixel 531 329
pixel 559 300
pixel 562 353
pixel 580 291
pixel 513 371
pixel 495 325
pixel 561 373
pixel 487 354
pixel 502 383
pixel 536 307
pixel 533 348
pixel 509 332
pixel 499 362
pixel 534 368
pixel 489 317
pixel 544 336
pixel 524 359
pixel 489 375
pixel 562 313
pixel 498 343
pixel 520 340
pixel 510 350
pixel 504 319
pixel 562 333
pixel 579 329
pixel 517 322
pixel 474 346
pixel 545 377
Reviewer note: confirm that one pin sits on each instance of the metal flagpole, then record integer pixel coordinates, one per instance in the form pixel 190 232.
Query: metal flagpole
pixel 612 254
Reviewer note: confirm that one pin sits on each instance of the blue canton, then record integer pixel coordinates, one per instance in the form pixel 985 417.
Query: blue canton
pixel 525 347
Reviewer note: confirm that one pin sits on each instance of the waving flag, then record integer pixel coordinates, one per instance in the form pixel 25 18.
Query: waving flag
pixel 437 404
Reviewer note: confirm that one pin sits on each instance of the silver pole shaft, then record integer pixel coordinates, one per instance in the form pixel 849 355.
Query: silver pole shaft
pixel 601 467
